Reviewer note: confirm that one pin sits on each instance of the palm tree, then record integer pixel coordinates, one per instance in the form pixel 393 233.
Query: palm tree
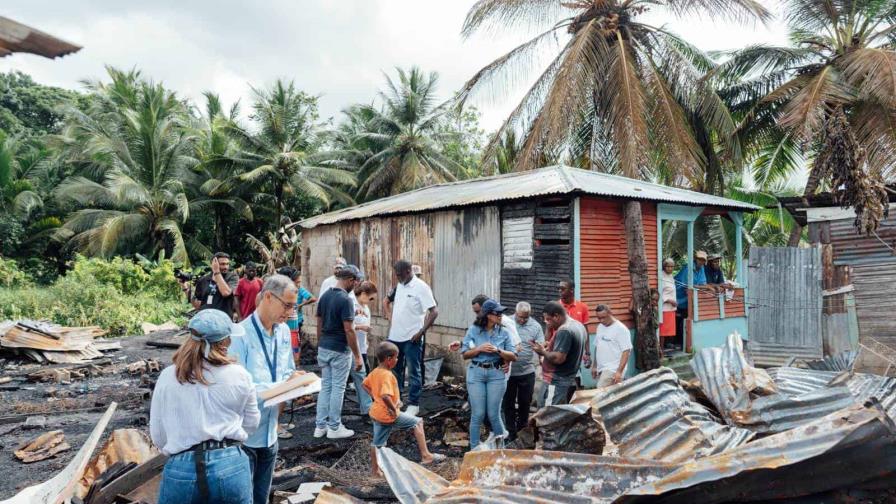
pixel 282 151
pixel 832 94
pixel 135 149
pixel 636 84
pixel 214 183
pixel 405 153
pixel 21 166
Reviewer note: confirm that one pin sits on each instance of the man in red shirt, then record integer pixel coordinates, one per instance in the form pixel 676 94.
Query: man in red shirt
pixel 576 310
pixel 247 291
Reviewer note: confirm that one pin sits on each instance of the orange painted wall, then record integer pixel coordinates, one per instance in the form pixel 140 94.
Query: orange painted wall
pixel 604 256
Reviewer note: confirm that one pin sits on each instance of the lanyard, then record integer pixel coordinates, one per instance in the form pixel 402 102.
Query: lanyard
pixel 272 366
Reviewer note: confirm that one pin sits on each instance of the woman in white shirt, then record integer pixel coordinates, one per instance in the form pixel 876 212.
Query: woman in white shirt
pixel 364 293
pixel 670 303
pixel 203 408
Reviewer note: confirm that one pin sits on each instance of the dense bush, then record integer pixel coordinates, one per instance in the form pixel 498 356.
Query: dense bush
pixel 117 295
pixel 10 275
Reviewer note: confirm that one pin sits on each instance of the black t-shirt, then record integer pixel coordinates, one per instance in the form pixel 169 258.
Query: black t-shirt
pixel 568 342
pixel 334 308
pixel 206 287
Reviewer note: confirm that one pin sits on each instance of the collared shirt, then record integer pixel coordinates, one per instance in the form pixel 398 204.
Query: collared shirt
pixel 248 352
pixel 185 414
pixel 498 336
pixel 681 283
pixel 577 310
pixel 715 277
pixel 525 362
pixel 510 326
pixel 412 301
pixel 609 344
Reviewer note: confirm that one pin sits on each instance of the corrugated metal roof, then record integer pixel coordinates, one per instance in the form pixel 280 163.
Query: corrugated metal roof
pixel 18 38
pixel 651 417
pixel 543 182
pixel 795 382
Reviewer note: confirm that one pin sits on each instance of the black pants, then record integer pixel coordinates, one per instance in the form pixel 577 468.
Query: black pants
pixel 517 401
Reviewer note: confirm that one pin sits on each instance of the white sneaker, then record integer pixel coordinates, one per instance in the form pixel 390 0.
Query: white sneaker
pixel 319 433
pixel 412 410
pixel 340 433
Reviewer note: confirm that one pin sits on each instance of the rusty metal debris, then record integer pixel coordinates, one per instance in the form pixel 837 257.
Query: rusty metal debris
pixel 45 342
pixel 410 482
pixel 796 381
pixel 42 447
pixel 844 361
pixel 748 397
pixel 569 428
pixel 650 416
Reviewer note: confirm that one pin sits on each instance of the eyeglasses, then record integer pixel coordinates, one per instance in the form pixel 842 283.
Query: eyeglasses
pixel 286 306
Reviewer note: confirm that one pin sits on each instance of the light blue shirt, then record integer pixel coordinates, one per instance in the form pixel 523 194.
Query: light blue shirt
pixel 248 352
pixel 681 280
pixel 498 336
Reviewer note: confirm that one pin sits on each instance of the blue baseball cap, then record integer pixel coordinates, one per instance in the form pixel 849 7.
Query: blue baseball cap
pixel 492 306
pixel 213 326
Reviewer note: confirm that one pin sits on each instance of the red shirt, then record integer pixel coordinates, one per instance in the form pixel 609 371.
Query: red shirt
pixel 577 310
pixel 247 290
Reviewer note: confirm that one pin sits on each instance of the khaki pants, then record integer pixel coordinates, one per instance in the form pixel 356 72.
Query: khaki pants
pixel 605 378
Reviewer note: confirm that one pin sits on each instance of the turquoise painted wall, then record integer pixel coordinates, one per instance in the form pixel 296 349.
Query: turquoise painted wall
pixel 585 374
pixel 713 333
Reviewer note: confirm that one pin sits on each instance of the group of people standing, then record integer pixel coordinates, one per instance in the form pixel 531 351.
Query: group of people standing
pixel 223 442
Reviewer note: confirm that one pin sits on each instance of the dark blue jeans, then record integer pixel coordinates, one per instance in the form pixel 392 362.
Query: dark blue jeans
pixel 227 473
pixel 261 461
pixel 410 355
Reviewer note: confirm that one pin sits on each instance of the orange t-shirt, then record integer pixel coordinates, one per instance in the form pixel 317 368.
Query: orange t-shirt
pixel 382 382
pixel 577 310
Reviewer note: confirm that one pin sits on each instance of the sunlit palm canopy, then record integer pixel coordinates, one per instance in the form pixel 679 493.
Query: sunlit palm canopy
pixel 833 93
pixel 633 85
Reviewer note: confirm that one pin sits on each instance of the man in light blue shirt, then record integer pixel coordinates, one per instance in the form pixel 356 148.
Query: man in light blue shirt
pixel 266 352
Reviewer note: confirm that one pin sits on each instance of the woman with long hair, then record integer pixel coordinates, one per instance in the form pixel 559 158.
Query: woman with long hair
pixel 365 292
pixel 487 345
pixel 203 408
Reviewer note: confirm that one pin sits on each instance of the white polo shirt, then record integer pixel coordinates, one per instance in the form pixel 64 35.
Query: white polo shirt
pixel 412 301
pixel 610 342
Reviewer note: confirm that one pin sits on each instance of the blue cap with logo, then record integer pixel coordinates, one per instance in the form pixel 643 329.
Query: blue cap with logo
pixel 212 326
pixel 492 306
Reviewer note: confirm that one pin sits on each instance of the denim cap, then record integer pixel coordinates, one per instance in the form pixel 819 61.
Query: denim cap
pixel 213 326
pixel 492 306
pixel 350 271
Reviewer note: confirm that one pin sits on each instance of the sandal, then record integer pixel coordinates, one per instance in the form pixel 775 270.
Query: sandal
pixel 436 458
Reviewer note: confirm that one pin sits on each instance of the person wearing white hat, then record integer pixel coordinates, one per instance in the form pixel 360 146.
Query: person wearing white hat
pixel 681 290
pixel 203 407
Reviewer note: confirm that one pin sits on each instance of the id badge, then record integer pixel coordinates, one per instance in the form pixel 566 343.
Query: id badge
pixel 209 299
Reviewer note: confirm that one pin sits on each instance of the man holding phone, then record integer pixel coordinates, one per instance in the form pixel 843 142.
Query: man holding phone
pixel 216 289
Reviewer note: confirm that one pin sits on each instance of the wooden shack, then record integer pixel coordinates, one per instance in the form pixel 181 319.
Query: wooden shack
pixel 514 237
pixel 859 272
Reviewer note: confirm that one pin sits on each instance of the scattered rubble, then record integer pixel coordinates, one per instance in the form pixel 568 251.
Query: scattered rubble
pixel 569 428
pixel 42 447
pixel 45 342
pixel 125 448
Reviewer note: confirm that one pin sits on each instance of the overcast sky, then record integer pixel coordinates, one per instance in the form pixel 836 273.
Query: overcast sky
pixel 335 48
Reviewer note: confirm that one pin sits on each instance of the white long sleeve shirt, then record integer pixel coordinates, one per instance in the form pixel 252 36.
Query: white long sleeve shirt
pixel 185 414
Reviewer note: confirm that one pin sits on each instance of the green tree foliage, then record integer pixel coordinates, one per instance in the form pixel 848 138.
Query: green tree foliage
pixel 135 150
pixel 29 109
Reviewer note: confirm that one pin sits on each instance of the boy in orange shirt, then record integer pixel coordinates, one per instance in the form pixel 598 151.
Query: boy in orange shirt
pixel 383 388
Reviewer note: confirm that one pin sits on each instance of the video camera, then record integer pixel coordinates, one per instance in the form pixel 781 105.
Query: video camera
pixel 183 276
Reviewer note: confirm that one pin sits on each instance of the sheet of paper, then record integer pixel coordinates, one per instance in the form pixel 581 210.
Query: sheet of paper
pixel 292 394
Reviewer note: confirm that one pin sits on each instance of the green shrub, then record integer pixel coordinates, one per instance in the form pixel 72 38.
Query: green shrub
pixel 128 277
pixel 11 275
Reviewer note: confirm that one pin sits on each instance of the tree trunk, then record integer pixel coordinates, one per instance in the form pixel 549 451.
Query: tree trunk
pixel 811 186
pixel 278 195
pixel 219 230
pixel 646 341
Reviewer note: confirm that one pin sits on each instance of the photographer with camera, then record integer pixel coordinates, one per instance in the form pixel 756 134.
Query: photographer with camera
pixel 216 289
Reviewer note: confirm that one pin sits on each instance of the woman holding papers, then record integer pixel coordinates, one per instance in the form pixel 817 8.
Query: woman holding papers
pixel 203 408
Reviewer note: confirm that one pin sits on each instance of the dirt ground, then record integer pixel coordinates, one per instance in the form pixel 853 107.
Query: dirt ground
pixel 75 407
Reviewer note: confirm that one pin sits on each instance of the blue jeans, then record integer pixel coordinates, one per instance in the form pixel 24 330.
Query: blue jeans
pixel 227 473
pixel 409 355
pixel 485 391
pixel 261 461
pixel 334 370
pixel 381 431
pixel 364 399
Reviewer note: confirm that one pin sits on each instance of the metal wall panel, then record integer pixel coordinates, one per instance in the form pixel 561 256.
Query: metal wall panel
pixel 467 255
pixel 376 258
pixel 518 236
pixel 852 247
pixel 785 303
pixel 875 300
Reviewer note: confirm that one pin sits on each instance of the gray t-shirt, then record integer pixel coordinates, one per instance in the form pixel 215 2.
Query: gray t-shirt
pixel 525 358
pixel 570 339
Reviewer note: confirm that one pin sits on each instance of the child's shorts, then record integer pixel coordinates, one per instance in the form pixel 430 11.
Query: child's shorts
pixel 381 431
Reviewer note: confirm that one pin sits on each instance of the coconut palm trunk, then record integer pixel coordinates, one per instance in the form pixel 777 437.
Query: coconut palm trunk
pixel 646 342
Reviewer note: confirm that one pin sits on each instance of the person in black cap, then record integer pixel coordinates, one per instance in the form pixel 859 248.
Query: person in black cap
pixel 203 407
pixel 487 345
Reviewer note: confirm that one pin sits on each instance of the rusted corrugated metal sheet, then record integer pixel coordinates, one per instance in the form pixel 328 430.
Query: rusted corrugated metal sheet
pixel 411 483
pixel 843 361
pixel 411 239
pixel 604 255
pixel 875 302
pixel 747 396
pixel 467 255
pixel 853 248
pixel 376 257
pixel 18 38
pixel 796 382
pixel 651 417
pixel 785 304
pixel 553 180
